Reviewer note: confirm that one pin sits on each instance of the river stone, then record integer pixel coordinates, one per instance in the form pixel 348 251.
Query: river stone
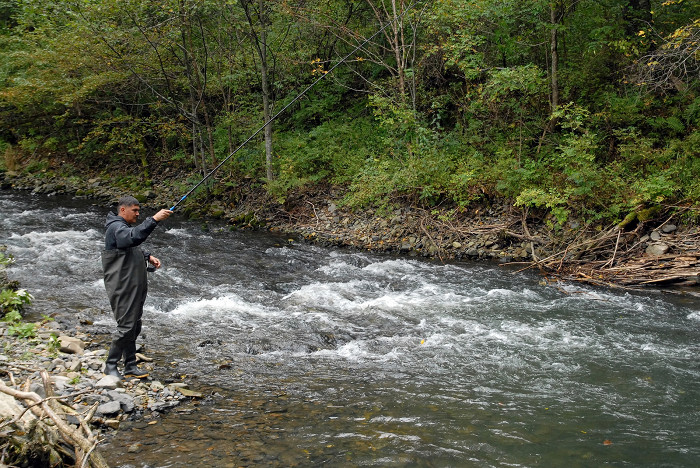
pixel 156 386
pixel 71 345
pixel 111 407
pixel 655 235
pixel 38 389
pixel 112 424
pixel 189 393
pixel 668 228
pixel 74 366
pixel 162 405
pixel 109 382
pixel 134 448
pixel 126 401
pixel 657 249
pixel 59 382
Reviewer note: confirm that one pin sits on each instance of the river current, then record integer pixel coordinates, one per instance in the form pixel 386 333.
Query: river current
pixel 312 356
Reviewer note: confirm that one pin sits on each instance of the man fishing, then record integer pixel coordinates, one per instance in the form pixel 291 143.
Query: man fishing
pixel 124 266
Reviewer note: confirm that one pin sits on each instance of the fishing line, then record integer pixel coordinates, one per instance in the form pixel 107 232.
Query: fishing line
pixel 299 96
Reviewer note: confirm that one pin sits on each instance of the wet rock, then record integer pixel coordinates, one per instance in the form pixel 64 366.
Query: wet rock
pixel 189 393
pixel 160 406
pixel 112 423
pixel 134 448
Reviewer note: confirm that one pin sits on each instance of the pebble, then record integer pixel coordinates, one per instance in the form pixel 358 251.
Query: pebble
pixel 77 371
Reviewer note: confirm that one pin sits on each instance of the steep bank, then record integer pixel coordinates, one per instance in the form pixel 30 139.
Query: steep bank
pixel 653 247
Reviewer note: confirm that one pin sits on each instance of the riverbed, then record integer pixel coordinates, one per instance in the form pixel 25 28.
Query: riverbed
pixel 313 356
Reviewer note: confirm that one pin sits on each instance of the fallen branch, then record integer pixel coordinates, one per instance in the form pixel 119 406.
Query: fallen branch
pixel 84 447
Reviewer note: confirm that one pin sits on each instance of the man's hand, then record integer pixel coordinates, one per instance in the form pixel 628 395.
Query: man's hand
pixel 162 214
pixel 154 261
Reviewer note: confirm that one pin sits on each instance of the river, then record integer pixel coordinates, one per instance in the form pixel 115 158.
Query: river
pixel 312 356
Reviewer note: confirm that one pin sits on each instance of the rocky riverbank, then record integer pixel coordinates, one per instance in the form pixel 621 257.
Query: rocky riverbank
pixel 73 360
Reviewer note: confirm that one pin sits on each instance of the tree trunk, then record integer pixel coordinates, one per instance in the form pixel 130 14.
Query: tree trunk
pixel 260 44
pixel 555 17
pixel 262 49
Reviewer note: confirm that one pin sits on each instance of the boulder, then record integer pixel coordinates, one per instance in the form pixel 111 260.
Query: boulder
pixel 71 345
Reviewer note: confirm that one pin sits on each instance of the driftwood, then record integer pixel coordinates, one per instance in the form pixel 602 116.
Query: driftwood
pixel 37 427
pixel 618 258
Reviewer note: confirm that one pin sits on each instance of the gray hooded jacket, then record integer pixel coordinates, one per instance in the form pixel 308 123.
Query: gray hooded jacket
pixel 124 267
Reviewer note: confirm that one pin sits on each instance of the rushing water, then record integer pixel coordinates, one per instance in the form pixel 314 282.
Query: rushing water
pixel 317 356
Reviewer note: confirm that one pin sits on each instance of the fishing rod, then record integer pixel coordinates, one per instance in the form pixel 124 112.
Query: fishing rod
pixel 299 96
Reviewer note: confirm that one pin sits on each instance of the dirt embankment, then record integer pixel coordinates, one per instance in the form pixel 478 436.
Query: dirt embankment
pixel 652 247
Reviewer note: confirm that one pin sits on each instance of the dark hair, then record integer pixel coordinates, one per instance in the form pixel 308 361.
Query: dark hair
pixel 127 201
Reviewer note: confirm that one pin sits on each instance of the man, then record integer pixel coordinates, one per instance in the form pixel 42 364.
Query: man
pixel 124 266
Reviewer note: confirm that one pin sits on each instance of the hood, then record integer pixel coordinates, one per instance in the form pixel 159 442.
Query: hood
pixel 114 218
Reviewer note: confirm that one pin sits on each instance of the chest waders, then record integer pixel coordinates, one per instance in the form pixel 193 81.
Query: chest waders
pixel 127 285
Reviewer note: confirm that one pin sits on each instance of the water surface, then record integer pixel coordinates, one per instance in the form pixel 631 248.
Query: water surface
pixel 315 356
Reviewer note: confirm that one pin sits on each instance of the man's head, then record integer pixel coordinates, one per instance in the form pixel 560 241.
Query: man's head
pixel 128 208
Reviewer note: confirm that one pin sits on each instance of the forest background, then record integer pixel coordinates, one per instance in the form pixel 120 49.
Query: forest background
pixel 578 108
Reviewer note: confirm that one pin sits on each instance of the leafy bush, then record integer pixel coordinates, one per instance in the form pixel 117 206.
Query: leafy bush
pixel 13 301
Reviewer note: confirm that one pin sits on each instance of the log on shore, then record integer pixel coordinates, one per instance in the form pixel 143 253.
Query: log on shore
pixel 35 430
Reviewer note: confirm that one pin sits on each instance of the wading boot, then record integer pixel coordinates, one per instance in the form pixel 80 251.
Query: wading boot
pixel 115 354
pixel 131 370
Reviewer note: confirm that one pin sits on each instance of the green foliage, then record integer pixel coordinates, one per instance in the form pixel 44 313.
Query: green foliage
pixel 23 330
pixel 54 344
pixel 6 259
pixel 13 301
pixel 135 89
pixel 551 200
